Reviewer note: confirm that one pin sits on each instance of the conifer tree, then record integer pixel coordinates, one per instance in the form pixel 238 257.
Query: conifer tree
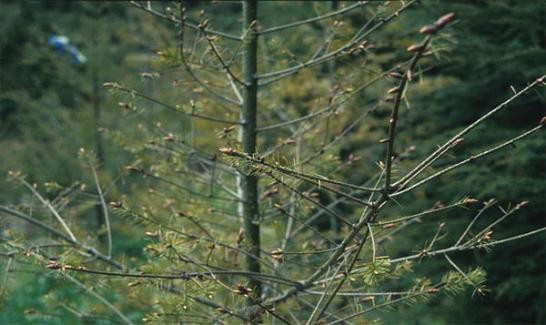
pixel 250 216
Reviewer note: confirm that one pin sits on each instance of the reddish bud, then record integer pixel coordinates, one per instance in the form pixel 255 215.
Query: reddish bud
pixel 389 226
pixel 395 74
pixel 414 48
pixel 444 20
pixel 393 90
pixel 428 29
pixel 228 151
pixel 271 192
pixel 242 290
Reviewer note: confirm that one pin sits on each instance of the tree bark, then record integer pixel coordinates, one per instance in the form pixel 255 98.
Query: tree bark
pixel 249 183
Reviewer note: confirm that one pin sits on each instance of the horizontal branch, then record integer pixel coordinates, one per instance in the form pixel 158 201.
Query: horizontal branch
pixel 136 93
pixel 310 20
pixel 315 179
pixel 56 233
pixel 294 121
pixel 388 303
pixel 465 248
pixel 180 276
pixel 417 215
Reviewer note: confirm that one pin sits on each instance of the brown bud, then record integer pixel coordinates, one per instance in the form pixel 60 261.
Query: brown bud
pixel 116 205
pixel 149 75
pixel 124 105
pixel 242 290
pixel 169 137
pixel 409 75
pixel 228 151
pixel 204 24
pixel 414 48
pixel 110 85
pixel 439 205
pixel 277 254
pixel 352 158
pixel 522 204
pixel 470 201
pixel 395 74
pixel 279 207
pixel 229 129
pixel 393 90
pixel 389 226
pixel 134 284
pixel 53 265
pixel 428 29
pixel 444 20
pixel 271 192
pixel 543 121
pixel 240 235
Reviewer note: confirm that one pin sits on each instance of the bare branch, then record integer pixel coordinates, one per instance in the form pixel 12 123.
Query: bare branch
pixel 310 20
pixel 402 183
pixel 468 160
pixel 178 21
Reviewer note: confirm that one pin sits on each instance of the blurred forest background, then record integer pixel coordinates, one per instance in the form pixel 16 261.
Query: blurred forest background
pixel 51 106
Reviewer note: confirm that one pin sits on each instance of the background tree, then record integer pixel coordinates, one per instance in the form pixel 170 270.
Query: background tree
pixel 322 241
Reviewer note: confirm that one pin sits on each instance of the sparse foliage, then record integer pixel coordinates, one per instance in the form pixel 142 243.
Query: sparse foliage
pixel 250 212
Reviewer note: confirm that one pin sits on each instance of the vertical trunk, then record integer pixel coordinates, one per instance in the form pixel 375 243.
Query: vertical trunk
pixel 249 183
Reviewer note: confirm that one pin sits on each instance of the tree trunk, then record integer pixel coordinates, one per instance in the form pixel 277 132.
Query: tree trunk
pixel 249 183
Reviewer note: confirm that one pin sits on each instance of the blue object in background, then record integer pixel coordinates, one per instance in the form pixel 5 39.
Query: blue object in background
pixel 62 45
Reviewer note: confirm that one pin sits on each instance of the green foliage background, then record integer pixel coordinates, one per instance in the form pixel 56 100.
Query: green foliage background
pixel 46 115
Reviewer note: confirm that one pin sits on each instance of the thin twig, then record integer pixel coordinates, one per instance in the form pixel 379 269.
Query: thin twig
pixel 402 183
pixel 104 210
pixel 468 160
pixel 48 205
pixel 310 20
pixel 394 115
